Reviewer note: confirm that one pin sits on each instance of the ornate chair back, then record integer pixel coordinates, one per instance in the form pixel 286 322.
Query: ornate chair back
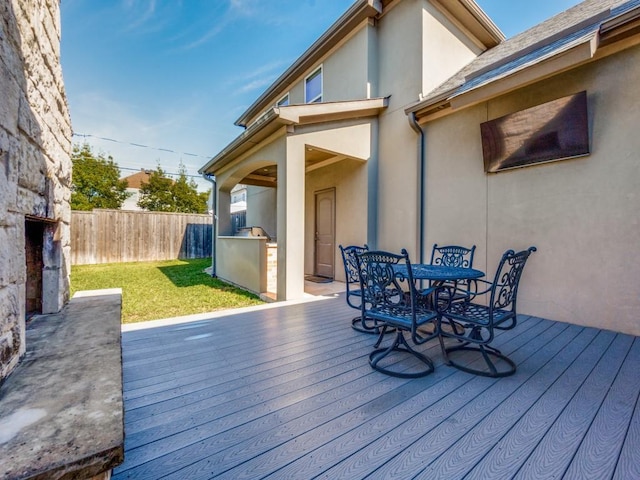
pixel 351 274
pixel 379 282
pixel 504 289
pixel 479 319
pixel 452 256
pixel 393 306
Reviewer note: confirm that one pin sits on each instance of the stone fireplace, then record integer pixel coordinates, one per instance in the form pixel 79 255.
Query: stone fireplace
pixel 64 403
pixel 35 173
pixel 42 259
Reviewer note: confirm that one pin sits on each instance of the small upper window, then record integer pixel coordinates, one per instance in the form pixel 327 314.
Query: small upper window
pixel 313 87
pixel 283 102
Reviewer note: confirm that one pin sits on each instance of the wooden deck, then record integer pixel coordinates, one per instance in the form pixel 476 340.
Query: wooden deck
pixel 287 392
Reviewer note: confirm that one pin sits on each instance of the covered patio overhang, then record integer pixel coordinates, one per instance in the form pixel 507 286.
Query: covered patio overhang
pixel 278 151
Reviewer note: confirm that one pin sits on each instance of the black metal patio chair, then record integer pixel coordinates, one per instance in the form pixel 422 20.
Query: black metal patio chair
pixel 454 256
pixel 392 301
pixel 353 293
pixel 479 321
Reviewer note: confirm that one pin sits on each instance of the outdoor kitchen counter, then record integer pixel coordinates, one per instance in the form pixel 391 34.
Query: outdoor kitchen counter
pixel 61 410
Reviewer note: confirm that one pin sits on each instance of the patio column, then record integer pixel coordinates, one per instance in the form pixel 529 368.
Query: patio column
pixel 291 179
pixel 223 206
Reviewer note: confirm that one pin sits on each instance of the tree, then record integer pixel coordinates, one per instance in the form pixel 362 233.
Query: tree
pixel 162 194
pixel 96 181
pixel 155 195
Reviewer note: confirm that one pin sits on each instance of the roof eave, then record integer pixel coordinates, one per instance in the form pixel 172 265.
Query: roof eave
pixel 455 99
pixel 241 142
pixel 468 16
pixel 613 35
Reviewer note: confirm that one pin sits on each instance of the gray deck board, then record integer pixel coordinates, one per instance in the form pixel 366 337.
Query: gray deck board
pixel 287 392
pixel 512 450
pixel 600 449
pixel 449 440
pixel 629 462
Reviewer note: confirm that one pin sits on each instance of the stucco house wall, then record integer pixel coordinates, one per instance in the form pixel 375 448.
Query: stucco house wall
pixel 35 165
pixel 444 45
pixel 581 213
pixel 419 49
pixel 262 208
pixel 345 72
pixel 349 178
pixel 377 58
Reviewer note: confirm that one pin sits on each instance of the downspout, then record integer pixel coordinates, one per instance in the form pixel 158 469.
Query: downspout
pixel 421 174
pixel 214 208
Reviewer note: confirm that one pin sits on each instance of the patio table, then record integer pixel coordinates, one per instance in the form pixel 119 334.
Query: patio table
pixel 438 275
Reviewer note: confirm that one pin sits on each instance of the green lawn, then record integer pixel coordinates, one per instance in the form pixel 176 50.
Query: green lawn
pixel 153 290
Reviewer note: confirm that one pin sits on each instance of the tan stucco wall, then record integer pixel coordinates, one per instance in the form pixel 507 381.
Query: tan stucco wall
pixel 399 56
pixel 262 209
pixel 401 77
pixel 445 49
pixel 243 261
pixel 344 70
pixel 397 185
pixel 582 214
pixel 417 52
pixel 349 178
pixel 228 177
pixel 400 64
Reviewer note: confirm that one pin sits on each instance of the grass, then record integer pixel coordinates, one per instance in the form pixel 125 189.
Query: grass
pixel 153 290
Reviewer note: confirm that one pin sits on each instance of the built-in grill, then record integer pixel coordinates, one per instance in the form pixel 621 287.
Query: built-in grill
pixel 253 232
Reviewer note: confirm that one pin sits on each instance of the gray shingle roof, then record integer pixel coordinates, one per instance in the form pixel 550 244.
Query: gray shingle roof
pixel 536 44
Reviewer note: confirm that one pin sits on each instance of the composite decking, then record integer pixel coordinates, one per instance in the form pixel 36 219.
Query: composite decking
pixel 286 392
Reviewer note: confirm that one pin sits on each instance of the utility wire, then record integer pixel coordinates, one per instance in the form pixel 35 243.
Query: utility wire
pixel 88 135
pixel 151 170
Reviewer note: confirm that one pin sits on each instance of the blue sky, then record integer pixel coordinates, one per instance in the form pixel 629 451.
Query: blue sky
pixel 176 74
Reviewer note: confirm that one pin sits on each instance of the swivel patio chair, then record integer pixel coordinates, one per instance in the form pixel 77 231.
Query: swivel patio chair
pixel 393 306
pixel 354 294
pixel 454 256
pixel 480 321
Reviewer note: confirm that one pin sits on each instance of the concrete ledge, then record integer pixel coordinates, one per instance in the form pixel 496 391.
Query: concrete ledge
pixel 61 410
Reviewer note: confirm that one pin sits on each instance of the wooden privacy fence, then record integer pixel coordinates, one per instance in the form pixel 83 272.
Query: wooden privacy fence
pixel 113 236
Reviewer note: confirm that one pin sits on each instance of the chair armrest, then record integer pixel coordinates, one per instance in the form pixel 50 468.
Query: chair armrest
pixel 425 292
pixel 473 291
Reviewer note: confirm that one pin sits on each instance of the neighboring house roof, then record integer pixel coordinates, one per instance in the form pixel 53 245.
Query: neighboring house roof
pixel 569 38
pixel 135 180
pixel 466 14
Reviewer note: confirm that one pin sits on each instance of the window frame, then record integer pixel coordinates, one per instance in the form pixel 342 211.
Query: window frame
pixel 285 97
pixel 318 98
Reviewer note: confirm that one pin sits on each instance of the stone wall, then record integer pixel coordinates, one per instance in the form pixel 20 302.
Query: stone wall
pixel 35 164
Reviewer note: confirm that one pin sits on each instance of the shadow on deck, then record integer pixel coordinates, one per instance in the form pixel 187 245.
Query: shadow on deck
pixel 286 392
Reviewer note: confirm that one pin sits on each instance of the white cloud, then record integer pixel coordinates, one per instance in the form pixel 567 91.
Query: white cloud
pixel 106 119
pixel 254 85
pixel 259 77
pixel 139 13
pixel 244 7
